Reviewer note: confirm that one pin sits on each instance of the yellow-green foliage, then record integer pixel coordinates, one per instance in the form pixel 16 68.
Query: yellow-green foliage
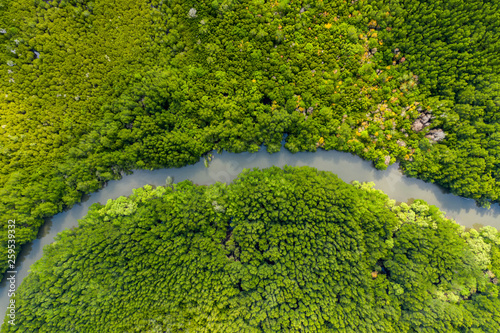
pixel 89 90
pixel 68 61
pixel 290 250
pixel 452 48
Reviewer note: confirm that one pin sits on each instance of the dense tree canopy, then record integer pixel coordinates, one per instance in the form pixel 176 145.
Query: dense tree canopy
pixel 89 90
pixel 278 250
pixel 453 49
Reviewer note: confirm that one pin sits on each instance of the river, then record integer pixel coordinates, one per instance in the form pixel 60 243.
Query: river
pixel 226 166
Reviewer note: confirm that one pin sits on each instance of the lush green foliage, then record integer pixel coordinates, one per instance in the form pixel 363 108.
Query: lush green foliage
pixel 453 48
pixel 93 89
pixel 59 129
pixel 278 250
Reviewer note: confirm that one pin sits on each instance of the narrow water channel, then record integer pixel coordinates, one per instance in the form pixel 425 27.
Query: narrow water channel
pixel 226 166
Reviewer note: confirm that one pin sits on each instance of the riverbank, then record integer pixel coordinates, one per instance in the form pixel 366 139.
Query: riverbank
pixel 225 167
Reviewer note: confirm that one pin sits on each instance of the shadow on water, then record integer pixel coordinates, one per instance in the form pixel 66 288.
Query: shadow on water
pixel 226 166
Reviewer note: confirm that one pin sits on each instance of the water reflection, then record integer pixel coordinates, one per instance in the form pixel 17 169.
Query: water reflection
pixel 226 166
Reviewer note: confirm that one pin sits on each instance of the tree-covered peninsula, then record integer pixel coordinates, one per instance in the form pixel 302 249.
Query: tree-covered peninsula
pixel 92 89
pixel 277 250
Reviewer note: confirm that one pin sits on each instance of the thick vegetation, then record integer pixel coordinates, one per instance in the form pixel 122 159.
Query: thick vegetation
pixel 278 250
pixel 452 47
pixel 93 89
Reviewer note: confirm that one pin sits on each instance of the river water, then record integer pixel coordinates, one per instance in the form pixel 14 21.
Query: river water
pixel 226 166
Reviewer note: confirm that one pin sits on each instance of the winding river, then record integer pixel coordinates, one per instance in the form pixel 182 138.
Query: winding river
pixel 226 166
